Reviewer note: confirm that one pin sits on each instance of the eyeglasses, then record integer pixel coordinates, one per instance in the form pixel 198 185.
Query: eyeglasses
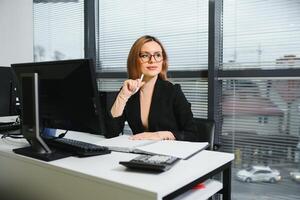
pixel 146 57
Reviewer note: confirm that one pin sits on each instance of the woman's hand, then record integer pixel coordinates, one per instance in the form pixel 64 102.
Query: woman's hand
pixel 159 135
pixel 130 87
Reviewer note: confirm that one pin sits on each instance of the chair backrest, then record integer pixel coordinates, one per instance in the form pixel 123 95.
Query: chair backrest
pixel 107 99
pixel 206 131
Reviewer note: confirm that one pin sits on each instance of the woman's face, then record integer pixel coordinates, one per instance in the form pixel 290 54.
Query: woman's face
pixel 151 59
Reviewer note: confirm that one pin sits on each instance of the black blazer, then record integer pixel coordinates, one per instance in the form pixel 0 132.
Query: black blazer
pixel 169 111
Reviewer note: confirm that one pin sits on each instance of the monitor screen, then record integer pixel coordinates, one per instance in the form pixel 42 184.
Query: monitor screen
pixel 67 98
pixel 7 92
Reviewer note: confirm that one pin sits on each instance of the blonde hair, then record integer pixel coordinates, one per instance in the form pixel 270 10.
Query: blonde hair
pixel 133 61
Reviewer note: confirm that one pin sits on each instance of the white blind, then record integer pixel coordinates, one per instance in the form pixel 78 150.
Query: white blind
pixel 181 26
pixel 194 90
pixel 261 125
pixel 261 116
pixel 58 30
pixel 261 34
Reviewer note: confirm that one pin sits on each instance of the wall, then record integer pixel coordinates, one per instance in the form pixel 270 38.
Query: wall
pixel 16 32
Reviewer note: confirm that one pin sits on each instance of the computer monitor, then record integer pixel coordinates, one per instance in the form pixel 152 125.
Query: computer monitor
pixel 60 95
pixel 7 92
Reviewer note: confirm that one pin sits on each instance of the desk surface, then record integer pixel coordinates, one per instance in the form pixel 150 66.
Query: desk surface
pixel 105 169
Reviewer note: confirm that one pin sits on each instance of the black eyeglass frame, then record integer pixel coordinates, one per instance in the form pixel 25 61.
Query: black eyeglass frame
pixel 149 58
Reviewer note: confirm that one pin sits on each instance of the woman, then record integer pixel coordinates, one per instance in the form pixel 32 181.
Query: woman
pixel 154 108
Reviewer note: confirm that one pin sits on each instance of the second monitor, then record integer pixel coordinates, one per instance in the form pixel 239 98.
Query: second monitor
pixel 7 92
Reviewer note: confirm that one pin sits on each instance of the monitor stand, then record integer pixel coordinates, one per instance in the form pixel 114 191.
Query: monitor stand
pixel 54 155
pixel 30 122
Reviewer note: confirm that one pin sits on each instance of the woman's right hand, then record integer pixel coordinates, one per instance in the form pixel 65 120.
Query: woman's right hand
pixel 130 87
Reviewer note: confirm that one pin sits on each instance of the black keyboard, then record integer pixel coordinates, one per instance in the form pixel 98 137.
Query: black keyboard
pixel 78 148
pixel 159 163
pixel 4 127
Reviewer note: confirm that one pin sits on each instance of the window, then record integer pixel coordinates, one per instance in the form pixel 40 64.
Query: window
pixel 184 36
pixel 58 29
pixel 262 119
pixel 261 34
pixel 260 81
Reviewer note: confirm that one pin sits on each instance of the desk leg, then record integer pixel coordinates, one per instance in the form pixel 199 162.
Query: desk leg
pixel 227 183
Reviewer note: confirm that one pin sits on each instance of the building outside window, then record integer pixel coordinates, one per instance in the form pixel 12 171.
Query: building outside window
pixel 260 94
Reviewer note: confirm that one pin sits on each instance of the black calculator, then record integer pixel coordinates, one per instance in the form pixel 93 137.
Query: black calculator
pixel 158 163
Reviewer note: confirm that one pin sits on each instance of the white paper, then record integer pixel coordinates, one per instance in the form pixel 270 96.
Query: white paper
pixel 179 149
pixel 123 143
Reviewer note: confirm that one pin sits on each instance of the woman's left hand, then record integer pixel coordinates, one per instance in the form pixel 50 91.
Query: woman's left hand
pixel 159 135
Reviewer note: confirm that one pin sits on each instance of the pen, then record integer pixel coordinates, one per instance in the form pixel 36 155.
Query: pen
pixel 141 78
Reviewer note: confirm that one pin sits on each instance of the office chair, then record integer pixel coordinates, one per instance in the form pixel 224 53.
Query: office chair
pixel 206 131
pixel 107 99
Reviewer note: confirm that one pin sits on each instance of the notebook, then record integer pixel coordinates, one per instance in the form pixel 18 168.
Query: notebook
pixel 179 149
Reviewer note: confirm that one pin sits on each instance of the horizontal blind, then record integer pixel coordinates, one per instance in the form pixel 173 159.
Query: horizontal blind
pixel 261 125
pixel 260 117
pixel 195 91
pixel 269 109
pixel 182 27
pixel 261 34
pixel 58 29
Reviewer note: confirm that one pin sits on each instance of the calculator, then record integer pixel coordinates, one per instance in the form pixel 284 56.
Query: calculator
pixel 158 163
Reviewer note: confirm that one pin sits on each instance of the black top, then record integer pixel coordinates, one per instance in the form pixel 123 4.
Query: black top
pixel 169 111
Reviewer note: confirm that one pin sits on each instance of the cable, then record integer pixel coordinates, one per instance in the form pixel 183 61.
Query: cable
pixel 62 134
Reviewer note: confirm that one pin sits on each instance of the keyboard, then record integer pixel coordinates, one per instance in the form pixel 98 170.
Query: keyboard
pixel 158 163
pixel 78 148
pixel 4 127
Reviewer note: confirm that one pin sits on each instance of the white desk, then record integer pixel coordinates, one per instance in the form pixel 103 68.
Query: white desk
pixel 101 177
